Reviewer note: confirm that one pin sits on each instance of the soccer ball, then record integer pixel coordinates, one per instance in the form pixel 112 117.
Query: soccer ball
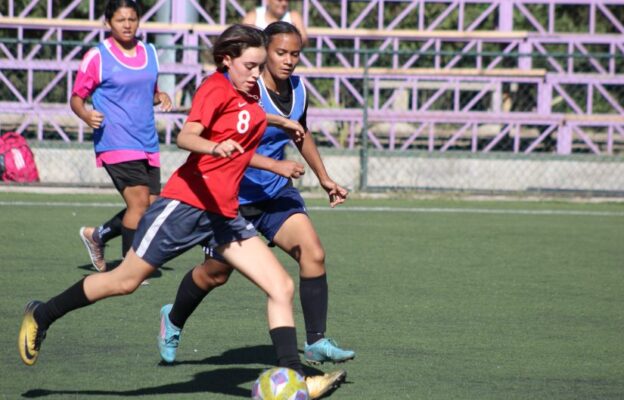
pixel 280 384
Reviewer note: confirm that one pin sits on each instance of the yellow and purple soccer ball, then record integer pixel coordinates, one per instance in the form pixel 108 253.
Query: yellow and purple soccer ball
pixel 280 384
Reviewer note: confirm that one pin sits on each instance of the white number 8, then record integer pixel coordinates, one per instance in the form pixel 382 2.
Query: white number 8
pixel 243 121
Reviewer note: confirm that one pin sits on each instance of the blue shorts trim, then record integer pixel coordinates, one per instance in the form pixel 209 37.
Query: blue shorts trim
pixel 170 227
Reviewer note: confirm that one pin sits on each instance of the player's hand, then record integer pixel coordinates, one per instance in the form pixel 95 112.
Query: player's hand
pixel 337 194
pixel 294 130
pixel 164 100
pixel 289 169
pixel 94 119
pixel 227 148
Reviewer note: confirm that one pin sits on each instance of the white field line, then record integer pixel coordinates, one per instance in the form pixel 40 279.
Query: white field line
pixel 425 210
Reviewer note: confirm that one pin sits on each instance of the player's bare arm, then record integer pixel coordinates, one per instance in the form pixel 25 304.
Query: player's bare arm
pixel 190 139
pixel 91 117
pixel 337 194
pixel 292 128
pixel 285 168
pixel 250 17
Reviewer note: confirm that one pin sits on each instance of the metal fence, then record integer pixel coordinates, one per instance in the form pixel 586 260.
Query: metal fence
pixel 470 131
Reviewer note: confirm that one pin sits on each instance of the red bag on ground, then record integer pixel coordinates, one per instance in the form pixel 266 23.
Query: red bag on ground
pixel 17 162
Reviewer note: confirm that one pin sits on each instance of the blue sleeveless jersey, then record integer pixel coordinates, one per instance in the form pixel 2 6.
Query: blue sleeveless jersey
pixel 258 185
pixel 125 96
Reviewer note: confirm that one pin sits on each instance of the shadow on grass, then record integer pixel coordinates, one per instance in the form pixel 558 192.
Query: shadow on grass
pixel 110 265
pixel 224 381
pixel 262 354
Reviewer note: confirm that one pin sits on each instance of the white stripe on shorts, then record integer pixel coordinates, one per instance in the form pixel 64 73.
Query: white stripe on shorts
pixel 153 229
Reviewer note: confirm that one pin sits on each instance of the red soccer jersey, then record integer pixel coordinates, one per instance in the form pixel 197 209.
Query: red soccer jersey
pixel 212 183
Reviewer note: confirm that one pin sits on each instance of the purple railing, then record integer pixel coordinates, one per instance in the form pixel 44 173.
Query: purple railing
pixel 471 71
pixel 599 16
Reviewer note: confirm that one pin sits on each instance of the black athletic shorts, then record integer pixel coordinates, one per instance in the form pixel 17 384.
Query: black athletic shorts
pixel 134 173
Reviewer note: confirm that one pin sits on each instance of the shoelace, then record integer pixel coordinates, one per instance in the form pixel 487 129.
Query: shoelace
pixel 332 348
pixel 173 339
pixel 98 250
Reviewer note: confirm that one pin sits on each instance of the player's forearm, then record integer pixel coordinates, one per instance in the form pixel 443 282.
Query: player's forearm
pixel 77 105
pixel 189 139
pixel 311 155
pixel 195 144
pixel 275 120
pixel 262 162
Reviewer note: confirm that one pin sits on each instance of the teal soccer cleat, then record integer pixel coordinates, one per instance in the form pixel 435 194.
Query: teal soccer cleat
pixel 169 337
pixel 326 350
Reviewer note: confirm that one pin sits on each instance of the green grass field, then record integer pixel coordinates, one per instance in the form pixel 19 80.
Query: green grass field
pixel 441 299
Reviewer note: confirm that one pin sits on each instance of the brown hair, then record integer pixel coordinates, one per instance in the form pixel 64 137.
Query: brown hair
pixel 234 40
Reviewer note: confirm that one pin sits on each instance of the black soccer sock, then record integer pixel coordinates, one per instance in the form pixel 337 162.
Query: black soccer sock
pixel 71 299
pixel 109 229
pixel 313 293
pixel 188 298
pixel 127 236
pixel 284 341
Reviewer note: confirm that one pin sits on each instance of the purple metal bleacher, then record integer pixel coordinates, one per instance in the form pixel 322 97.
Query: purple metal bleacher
pixel 475 63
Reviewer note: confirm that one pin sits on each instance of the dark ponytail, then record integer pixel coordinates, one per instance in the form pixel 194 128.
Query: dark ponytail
pixel 279 27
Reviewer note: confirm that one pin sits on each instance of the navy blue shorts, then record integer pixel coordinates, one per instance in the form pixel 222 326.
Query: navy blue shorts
pixel 170 227
pixel 268 216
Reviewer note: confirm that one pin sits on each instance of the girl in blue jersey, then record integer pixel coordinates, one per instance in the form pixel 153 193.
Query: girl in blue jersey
pixel 120 75
pixel 277 210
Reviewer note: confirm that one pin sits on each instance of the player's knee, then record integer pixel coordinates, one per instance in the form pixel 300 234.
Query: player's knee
pixel 212 274
pixel 140 207
pixel 285 290
pixel 314 256
pixel 128 286
pixel 216 279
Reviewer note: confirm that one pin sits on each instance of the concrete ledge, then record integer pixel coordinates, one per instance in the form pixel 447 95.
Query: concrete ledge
pixel 462 172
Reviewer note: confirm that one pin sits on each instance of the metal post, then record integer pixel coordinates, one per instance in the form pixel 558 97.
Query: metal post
pixel 166 83
pixel 364 144
pixel 505 16
pixel 564 139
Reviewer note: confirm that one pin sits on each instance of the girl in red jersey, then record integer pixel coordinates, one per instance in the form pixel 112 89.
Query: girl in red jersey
pixel 199 206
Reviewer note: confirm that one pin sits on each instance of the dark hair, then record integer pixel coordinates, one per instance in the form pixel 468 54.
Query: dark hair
pixel 234 40
pixel 279 27
pixel 113 5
